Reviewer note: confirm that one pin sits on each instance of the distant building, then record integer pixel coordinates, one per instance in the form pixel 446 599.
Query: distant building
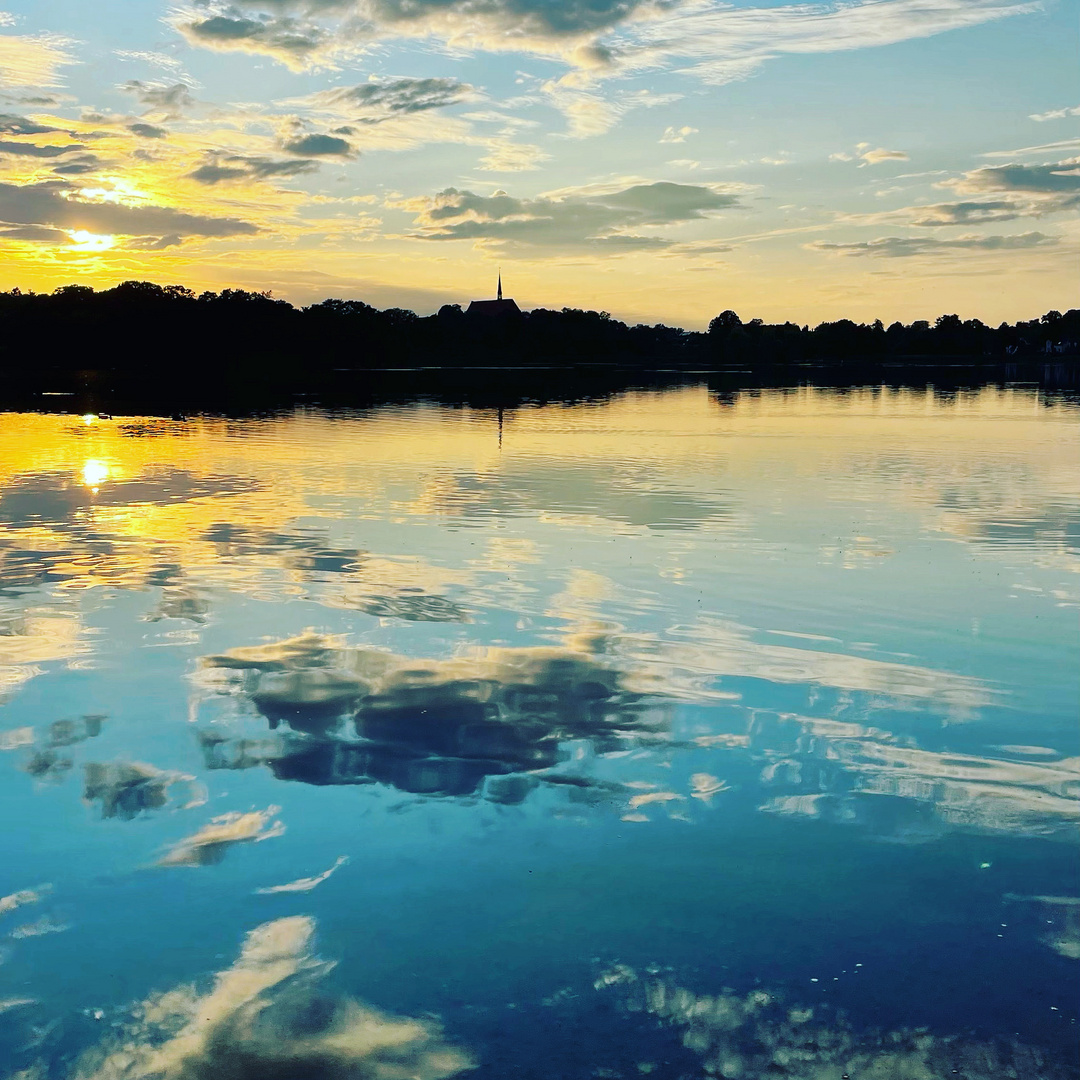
pixel 497 308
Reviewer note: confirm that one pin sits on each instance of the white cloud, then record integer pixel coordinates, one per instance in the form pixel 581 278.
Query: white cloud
pixel 880 153
pixel 512 157
pixel 155 59
pixel 1055 114
pixel 724 44
pixel 1060 147
pixel 677 135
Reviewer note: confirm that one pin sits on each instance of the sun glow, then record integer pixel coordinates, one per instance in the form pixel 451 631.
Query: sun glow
pixel 87 241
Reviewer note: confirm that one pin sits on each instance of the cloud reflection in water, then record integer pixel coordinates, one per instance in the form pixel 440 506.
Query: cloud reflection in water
pixel 433 727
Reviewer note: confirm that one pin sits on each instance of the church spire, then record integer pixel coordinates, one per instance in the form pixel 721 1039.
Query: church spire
pixel 499 294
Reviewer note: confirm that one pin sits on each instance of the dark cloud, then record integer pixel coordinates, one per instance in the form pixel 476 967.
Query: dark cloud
pixel 171 100
pixel 966 213
pixel 374 101
pixel 1029 190
pixel 221 168
pixel 21 149
pixel 531 18
pixel 147 131
pixel 84 163
pixel 1063 177
pixel 587 220
pixel 215 174
pixel 894 247
pixel 287 39
pixel 38 233
pixel 50 204
pixel 429 727
pixel 20 125
pixel 316 145
pixel 567 18
pixel 156 243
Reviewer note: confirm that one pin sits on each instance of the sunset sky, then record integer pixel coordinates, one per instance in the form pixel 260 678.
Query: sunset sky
pixel 659 159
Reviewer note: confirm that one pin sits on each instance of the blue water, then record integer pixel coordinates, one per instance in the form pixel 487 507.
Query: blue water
pixel 603 719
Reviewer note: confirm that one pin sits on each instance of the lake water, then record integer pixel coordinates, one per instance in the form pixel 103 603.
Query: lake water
pixel 670 735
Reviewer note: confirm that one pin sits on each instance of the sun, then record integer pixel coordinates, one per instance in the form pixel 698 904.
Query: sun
pixel 87 241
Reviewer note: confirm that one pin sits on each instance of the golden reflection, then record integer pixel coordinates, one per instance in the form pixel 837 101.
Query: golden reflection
pixel 268 1015
pixel 881 447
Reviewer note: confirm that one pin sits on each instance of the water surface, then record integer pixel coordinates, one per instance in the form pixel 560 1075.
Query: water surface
pixel 642 736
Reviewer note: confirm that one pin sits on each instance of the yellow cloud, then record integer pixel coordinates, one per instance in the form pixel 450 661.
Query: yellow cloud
pixel 33 61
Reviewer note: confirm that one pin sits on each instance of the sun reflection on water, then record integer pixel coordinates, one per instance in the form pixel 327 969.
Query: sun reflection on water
pixel 95 473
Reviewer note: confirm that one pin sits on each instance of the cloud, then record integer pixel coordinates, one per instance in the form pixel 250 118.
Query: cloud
pixel 168 100
pixel 372 102
pixel 35 234
pixel 317 145
pixel 450 727
pixel 54 204
pixel 1004 193
pixel 512 157
pixel 318 33
pixel 726 44
pixel 84 163
pixel 21 149
pixel 209 844
pixel 147 131
pixel 1055 114
pixel 298 44
pixel 221 168
pixel 893 247
pixel 303 884
pixel 875 157
pixel 597 36
pixel 1033 190
pixel 1057 148
pixel 32 61
pixel 677 135
pixel 569 221
pixel 157 59
pixel 268 1015
pixel 11 124
pixel 587 115
pixel 1064 177
pixel 125 789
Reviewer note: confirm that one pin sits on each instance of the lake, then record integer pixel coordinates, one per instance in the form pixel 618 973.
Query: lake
pixel 672 734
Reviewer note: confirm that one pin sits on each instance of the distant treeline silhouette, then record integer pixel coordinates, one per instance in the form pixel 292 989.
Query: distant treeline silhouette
pixel 166 339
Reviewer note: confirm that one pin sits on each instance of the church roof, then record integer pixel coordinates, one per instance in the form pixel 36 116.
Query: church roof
pixel 493 307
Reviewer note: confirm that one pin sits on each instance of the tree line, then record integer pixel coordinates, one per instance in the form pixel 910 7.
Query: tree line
pixel 167 338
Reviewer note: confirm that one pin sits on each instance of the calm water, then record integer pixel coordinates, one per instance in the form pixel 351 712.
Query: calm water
pixel 666 736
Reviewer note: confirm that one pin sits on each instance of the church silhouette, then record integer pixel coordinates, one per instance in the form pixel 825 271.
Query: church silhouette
pixel 496 308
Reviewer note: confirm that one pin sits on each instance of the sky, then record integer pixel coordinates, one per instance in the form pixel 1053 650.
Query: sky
pixel 663 160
